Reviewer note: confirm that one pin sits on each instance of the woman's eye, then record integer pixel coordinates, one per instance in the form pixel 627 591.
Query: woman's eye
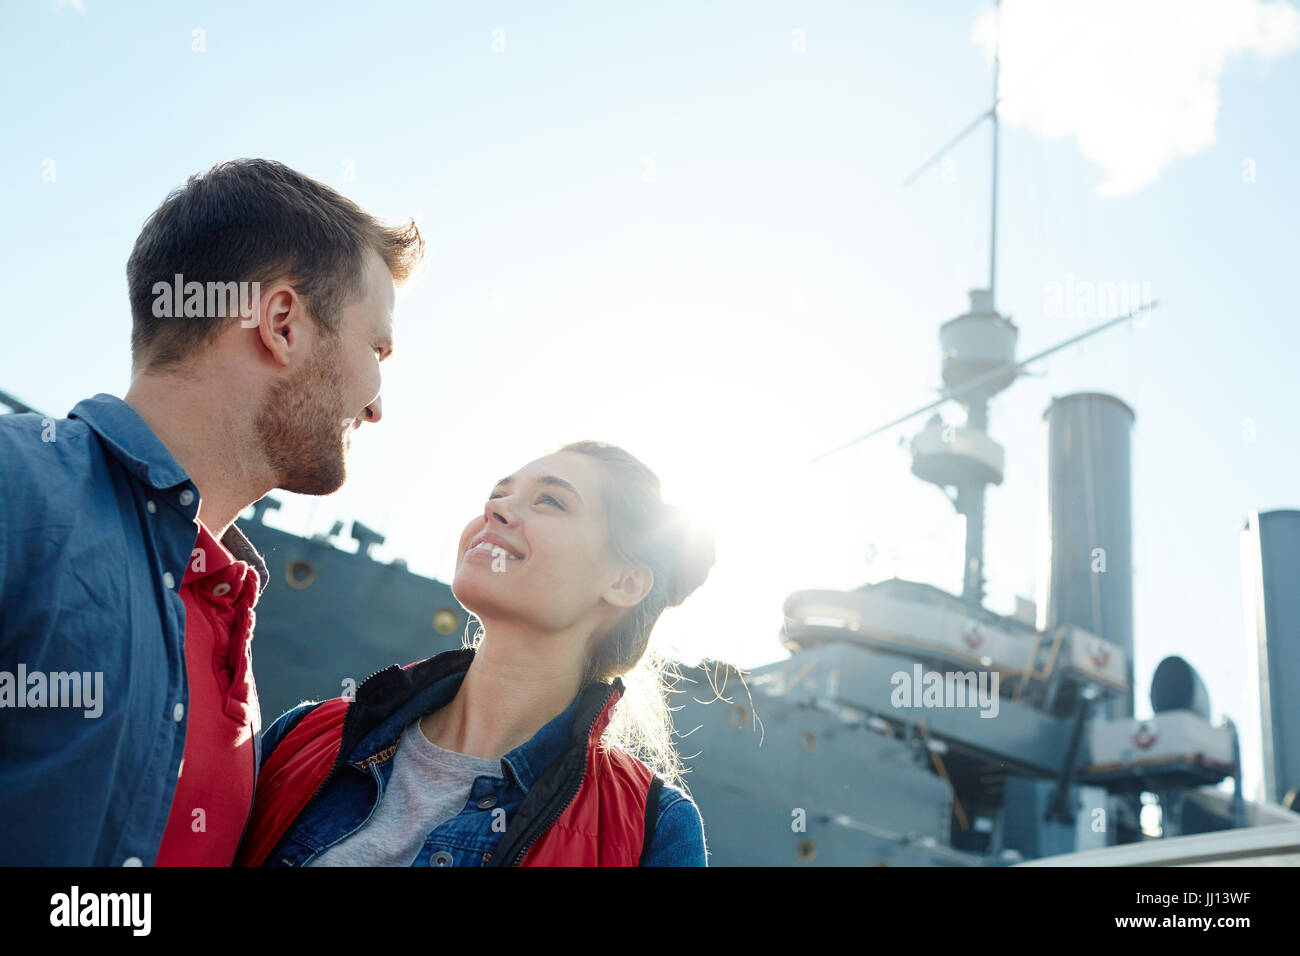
pixel 551 498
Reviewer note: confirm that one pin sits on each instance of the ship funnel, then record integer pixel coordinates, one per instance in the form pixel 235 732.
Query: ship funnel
pixel 1270 552
pixel 1089 575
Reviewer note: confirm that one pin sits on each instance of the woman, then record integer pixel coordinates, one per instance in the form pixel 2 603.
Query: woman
pixel 515 750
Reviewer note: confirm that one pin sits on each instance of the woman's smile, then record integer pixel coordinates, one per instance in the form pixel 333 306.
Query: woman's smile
pixel 489 543
pixel 489 550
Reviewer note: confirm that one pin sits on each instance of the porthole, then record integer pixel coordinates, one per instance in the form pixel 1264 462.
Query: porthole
pixel 446 621
pixel 807 740
pixel 300 574
pixel 738 715
pixel 805 851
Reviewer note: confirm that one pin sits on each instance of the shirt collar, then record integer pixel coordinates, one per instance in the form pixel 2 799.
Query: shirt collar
pixel 527 761
pixel 594 706
pixel 142 453
pixel 402 695
pixel 216 556
pixel 242 549
pixel 131 440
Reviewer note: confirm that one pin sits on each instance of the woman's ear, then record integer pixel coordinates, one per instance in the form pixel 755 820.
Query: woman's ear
pixel 630 587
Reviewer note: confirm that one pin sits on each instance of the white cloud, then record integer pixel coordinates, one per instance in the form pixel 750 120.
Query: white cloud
pixel 1134 82
pixel 78 5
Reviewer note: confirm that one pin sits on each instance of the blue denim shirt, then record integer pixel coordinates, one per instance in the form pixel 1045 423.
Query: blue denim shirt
pixel 464 840
pixel 97 526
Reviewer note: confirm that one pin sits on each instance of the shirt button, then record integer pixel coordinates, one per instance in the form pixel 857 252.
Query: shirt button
pixel 187 498
pixel 178 712
pixel 153 510
pixel 221 590
pixel 441 858
pixel 487 803
pixel 168 579
pixel 133 861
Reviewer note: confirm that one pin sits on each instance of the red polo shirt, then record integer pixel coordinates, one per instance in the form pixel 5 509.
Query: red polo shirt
pixel 214 793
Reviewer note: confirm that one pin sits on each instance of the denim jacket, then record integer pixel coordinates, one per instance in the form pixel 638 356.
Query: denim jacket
pixel 468 839
pixel 97 525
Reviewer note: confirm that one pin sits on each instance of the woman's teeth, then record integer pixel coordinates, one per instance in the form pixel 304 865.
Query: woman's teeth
pixel 494 549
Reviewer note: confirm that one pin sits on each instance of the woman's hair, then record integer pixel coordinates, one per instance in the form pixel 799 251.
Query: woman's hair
pixel 644 531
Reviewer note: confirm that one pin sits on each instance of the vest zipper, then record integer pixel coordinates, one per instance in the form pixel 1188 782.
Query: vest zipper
pixel 341 759
pixel 535 831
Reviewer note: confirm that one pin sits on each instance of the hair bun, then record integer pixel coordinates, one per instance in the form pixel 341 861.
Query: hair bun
pixel 694 545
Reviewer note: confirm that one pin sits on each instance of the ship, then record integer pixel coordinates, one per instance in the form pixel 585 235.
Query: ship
pixel 907 725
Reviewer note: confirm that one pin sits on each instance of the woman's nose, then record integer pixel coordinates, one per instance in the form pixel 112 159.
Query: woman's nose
pixel 499 512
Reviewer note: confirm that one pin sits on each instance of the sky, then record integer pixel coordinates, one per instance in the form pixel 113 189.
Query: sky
pixel 686 231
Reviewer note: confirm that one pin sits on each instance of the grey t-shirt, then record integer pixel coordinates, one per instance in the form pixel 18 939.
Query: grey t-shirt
pixel 427 787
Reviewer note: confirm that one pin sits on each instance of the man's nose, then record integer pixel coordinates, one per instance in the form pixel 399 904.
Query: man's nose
pixel 375 410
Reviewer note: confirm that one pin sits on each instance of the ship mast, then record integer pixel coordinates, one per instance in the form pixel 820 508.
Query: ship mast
pixel 978 356
pixel 993 117
pixel 966 459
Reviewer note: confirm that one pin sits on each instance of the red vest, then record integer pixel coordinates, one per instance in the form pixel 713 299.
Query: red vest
pixel 603 825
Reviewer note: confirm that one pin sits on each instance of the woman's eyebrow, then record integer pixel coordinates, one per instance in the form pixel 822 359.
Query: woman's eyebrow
pixel 546 480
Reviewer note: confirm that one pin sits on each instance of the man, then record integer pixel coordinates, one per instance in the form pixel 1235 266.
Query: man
pixel 262 304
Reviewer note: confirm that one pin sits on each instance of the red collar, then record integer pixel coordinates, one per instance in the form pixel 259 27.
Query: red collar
pixel 214 570
pixel 208 557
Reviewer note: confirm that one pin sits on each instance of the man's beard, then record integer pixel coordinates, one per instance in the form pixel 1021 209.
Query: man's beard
pixel 301 426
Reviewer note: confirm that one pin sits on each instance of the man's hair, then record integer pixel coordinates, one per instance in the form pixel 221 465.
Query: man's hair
pixel 254 220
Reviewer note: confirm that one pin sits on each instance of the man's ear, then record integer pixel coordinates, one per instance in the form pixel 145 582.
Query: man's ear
pixel 279 325
pixel 630 587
